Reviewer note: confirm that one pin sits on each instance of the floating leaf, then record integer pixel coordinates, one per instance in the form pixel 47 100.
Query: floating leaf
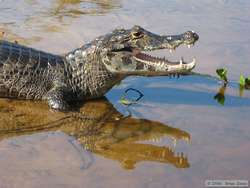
pixel 123 100
pixel 222 73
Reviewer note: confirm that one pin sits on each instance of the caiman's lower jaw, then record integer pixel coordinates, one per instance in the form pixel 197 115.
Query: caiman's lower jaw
pixel 162 64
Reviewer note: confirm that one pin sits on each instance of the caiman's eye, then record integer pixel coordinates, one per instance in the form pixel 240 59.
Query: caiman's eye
pixel 137 34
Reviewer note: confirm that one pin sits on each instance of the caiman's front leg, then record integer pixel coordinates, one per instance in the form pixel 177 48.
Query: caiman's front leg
pixel 59 98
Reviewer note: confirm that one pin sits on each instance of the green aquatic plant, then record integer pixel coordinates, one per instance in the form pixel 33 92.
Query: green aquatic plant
pixel 222 73
pixel 244 82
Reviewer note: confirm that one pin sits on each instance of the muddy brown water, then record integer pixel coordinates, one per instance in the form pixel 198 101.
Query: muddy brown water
pixel 178 135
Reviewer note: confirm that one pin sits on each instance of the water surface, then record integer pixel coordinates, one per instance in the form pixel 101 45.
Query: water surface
pixel 177 136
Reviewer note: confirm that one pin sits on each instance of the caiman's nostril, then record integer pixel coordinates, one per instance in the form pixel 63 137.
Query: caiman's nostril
pixel 196 36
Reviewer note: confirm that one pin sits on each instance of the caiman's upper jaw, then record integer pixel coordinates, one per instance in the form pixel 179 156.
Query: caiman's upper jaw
pixel 173 41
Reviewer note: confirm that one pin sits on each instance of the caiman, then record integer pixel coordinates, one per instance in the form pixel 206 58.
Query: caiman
pixel 100 128
pixel 89 71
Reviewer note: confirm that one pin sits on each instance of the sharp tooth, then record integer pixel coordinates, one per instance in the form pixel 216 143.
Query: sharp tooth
pixel 180 160
pixel 194 60
pixel 169 38
pixel 174 142
pixel 164 153
pixel 181 61
pixel 189 46
pixel 190 65
pixel 188 140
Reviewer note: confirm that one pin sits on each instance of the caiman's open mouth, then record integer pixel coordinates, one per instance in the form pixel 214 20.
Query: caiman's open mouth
pixel 162 63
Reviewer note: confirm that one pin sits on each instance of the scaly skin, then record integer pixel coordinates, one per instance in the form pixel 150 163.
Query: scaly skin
pixel 87 72
pixel 98 127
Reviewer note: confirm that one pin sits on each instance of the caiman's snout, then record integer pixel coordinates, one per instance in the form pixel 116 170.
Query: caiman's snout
pixel 173 41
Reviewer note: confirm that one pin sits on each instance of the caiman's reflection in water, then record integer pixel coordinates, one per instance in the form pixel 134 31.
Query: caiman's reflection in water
pixel 74 8
pixel 37 17
pixel 99 127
